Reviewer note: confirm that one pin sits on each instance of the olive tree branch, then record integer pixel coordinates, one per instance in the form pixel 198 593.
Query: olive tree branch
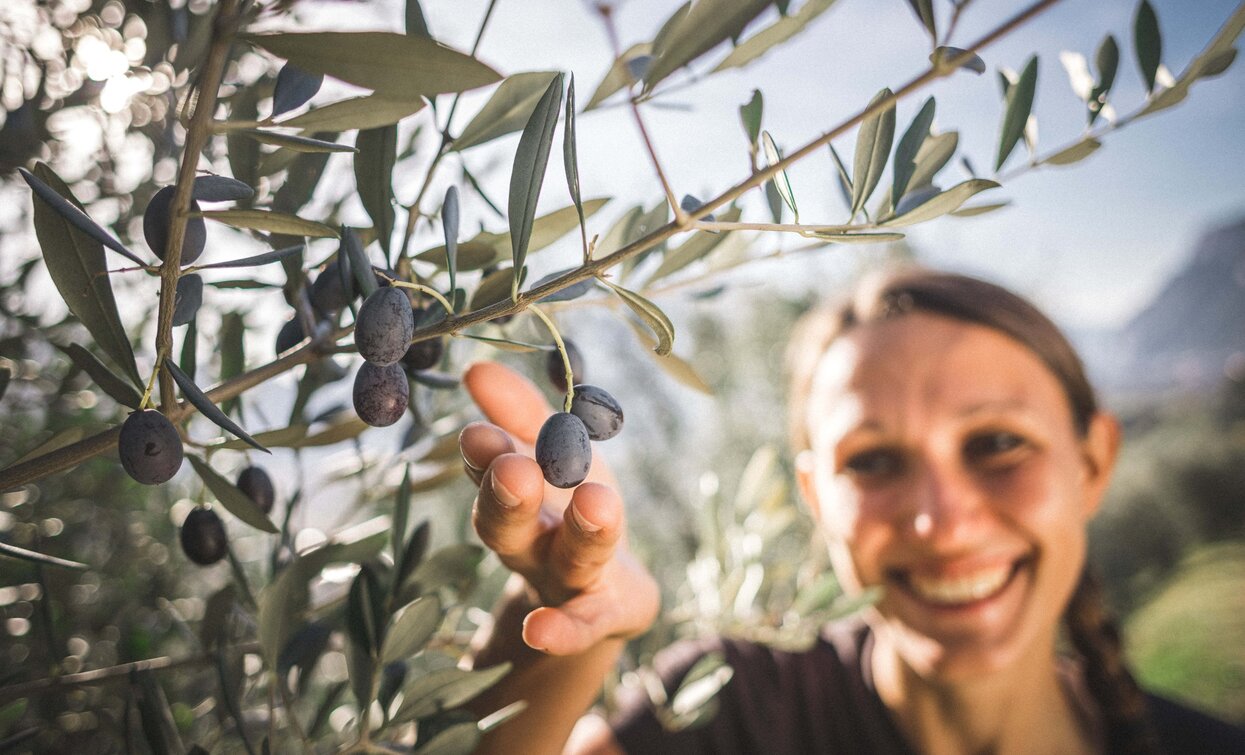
pixel 197 134
pixel 75 453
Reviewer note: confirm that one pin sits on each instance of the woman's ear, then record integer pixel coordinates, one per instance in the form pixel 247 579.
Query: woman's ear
pixel 1101 447
pixel 805 478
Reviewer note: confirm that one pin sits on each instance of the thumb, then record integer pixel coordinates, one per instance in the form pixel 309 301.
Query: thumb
pixel 508 400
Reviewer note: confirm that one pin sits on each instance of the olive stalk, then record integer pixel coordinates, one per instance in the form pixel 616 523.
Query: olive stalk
pixel 566 358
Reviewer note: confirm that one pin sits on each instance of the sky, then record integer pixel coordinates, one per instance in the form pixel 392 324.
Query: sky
pixel 1090 242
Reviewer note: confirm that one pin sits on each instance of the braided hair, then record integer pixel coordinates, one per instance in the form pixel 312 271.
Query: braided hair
pixel 1090 627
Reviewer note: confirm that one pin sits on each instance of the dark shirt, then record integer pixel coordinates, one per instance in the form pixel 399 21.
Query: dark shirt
pixel 822 700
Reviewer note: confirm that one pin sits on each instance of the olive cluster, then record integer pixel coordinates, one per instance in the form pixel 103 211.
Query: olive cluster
pixel 203 533
pixel 563 450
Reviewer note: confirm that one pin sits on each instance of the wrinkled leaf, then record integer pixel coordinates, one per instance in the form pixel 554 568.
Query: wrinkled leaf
pixel 76 264
pixel 1148 43
pixel 909 146
pixel 372 111
pixel 394 64
pixel 205 406
pixel 528 173
pixel 873 149
pixel 187 298
pixel 508 110
pixel 373 174
pixel 776 33
pixel 651 314
pixel 294 142
pixel 270 221
pixel 70 210
pixel 294 88
pixel 780 180
pixel 412 627
pixel 703 26
pixel 942 202
pixel 107 380
pixel 1018 105
pixel 231 498
pixel 12 551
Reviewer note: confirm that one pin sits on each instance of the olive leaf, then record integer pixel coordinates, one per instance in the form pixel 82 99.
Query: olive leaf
pixel 933 156
pixel 772 157
pixel 570 159
pixel 449 224
pixel 750 116
pixel 941 203
pixel 941 57
pixel 205 406
pixel 980 209
pixel 373 173
pixel 401 511
pixel 75 261
pixel 508 110
pixel 1018 104
pixel 444 688
pixel 189 359
pixel 354 263
pixel 232 347
pixel 873 149
pixel 416 24
pixel 270 221
pixel 528 173
pixel 1074 153
pixel 619 75
pixel 695 31
pixel 12 551
pixel 700 245
pixel 672 364
pixel 294 88
pixel 267 258
pixel 187 298
pixel 294 142
pixel 495 287
pixel 411 628
pixel 909 145
pixel 775 34
pixel 1213 60
pixel 231 498
pixel 857 238
pixel 1108 61
pixel 394 64
pixel 651 314
pixel 63 203
pixel 107 380
pixel 213 188
pixel 924 10
pixel 1148 43
pixel 365 607
pixel 573 291
pixel 371 111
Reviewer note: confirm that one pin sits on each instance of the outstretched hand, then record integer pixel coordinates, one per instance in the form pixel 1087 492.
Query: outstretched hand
pixel 569 545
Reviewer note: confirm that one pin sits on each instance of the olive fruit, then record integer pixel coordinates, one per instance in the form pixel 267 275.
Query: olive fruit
pixel 599 411
pixel 328 293
pixel 556 370
pixel 257 485
pixel 385 325
pixel 380 394
pixel 290 335
pixel 156 227
pixel 424 355
pixel 563 451
pixel 203 537
pixel 150 448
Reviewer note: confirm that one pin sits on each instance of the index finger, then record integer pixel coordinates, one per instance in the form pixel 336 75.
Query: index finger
pixel 509 400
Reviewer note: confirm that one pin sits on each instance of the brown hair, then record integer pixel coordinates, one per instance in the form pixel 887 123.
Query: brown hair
pixel 1090 627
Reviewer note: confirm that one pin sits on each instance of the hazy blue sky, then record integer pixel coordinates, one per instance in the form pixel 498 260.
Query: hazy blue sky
pixel 1090 242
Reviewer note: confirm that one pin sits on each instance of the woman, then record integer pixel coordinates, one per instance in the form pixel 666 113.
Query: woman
pixel 951 450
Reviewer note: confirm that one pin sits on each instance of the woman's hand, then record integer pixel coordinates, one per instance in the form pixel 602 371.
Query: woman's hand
pixel 569 546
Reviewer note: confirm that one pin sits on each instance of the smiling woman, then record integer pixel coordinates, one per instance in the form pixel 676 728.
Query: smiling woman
pixel 952 452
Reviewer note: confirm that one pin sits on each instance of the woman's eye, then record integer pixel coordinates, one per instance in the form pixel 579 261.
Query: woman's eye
pixel 992 446
pixel 878 463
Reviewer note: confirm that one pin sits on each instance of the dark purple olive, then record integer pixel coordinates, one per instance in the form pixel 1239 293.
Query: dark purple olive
pixel 385 325
pixel 381 394
pixel 600 412
pixel 156 227
pixel 563 451
pixel 150 448
pixel 424 355
pixel 328 293
pixel 290 335
pixel 203 537
pixel 556 370
pixel 257 485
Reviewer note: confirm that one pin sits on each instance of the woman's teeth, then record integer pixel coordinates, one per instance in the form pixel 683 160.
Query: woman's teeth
pixel 958 590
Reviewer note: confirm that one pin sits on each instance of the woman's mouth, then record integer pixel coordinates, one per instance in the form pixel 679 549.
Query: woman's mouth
pixel 959 590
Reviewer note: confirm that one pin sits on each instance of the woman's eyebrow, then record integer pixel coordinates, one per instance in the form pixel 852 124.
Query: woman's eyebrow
pixel 996 406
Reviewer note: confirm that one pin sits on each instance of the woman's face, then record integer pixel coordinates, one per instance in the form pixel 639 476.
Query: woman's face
pixel 946 469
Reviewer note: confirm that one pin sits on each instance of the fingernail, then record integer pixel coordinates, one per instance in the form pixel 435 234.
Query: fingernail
pixel 503 496
pixel 467 460
pixel 583 523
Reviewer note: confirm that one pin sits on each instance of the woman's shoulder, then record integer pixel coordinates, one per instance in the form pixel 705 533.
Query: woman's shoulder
pixel 1181 728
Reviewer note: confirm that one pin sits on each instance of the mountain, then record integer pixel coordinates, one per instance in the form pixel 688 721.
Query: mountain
pixel 1191 335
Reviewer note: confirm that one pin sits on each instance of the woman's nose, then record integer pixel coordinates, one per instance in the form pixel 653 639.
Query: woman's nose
pixel 947 503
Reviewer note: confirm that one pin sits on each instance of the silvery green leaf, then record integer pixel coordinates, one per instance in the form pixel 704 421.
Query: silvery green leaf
pixel 700 245
pixel 772 157
pixel 293 142
pixel 573 291
pixel 508 110
pixel 107 380
pixel 205 406
pixel 934 154
pixel 365 606
pixel 267 258
pixel 449 224
pixel 750 116
pixel 1019 103
pixel 220 189
pixel 941 203
pixel 873 148
pixel 691 204
pixel 354 263
pixel 776 33
pixel 570 157
pixel 444 688
pixel 270 221
pixel 703 26
pixel 528 173
pixel 651 314
pixel 1075 153
pixel 294 88
pixel 373 173
pixel 844 180
pixel 858 238
pixel 942 56
pixel 71 211
pixel 371 111
pixel 411 628
pixel 187 298
pixel 619 74
pixel 924 10
pixel 231 498
pixel 1148 42
pixel 980 209
pixel 909 146
pixel 1214 59
pixel 393 64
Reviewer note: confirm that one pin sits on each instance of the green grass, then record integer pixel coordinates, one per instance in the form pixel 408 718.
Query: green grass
pixel 1188 641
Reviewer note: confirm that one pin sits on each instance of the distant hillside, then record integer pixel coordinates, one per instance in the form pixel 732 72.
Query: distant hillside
pixel 1190 336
